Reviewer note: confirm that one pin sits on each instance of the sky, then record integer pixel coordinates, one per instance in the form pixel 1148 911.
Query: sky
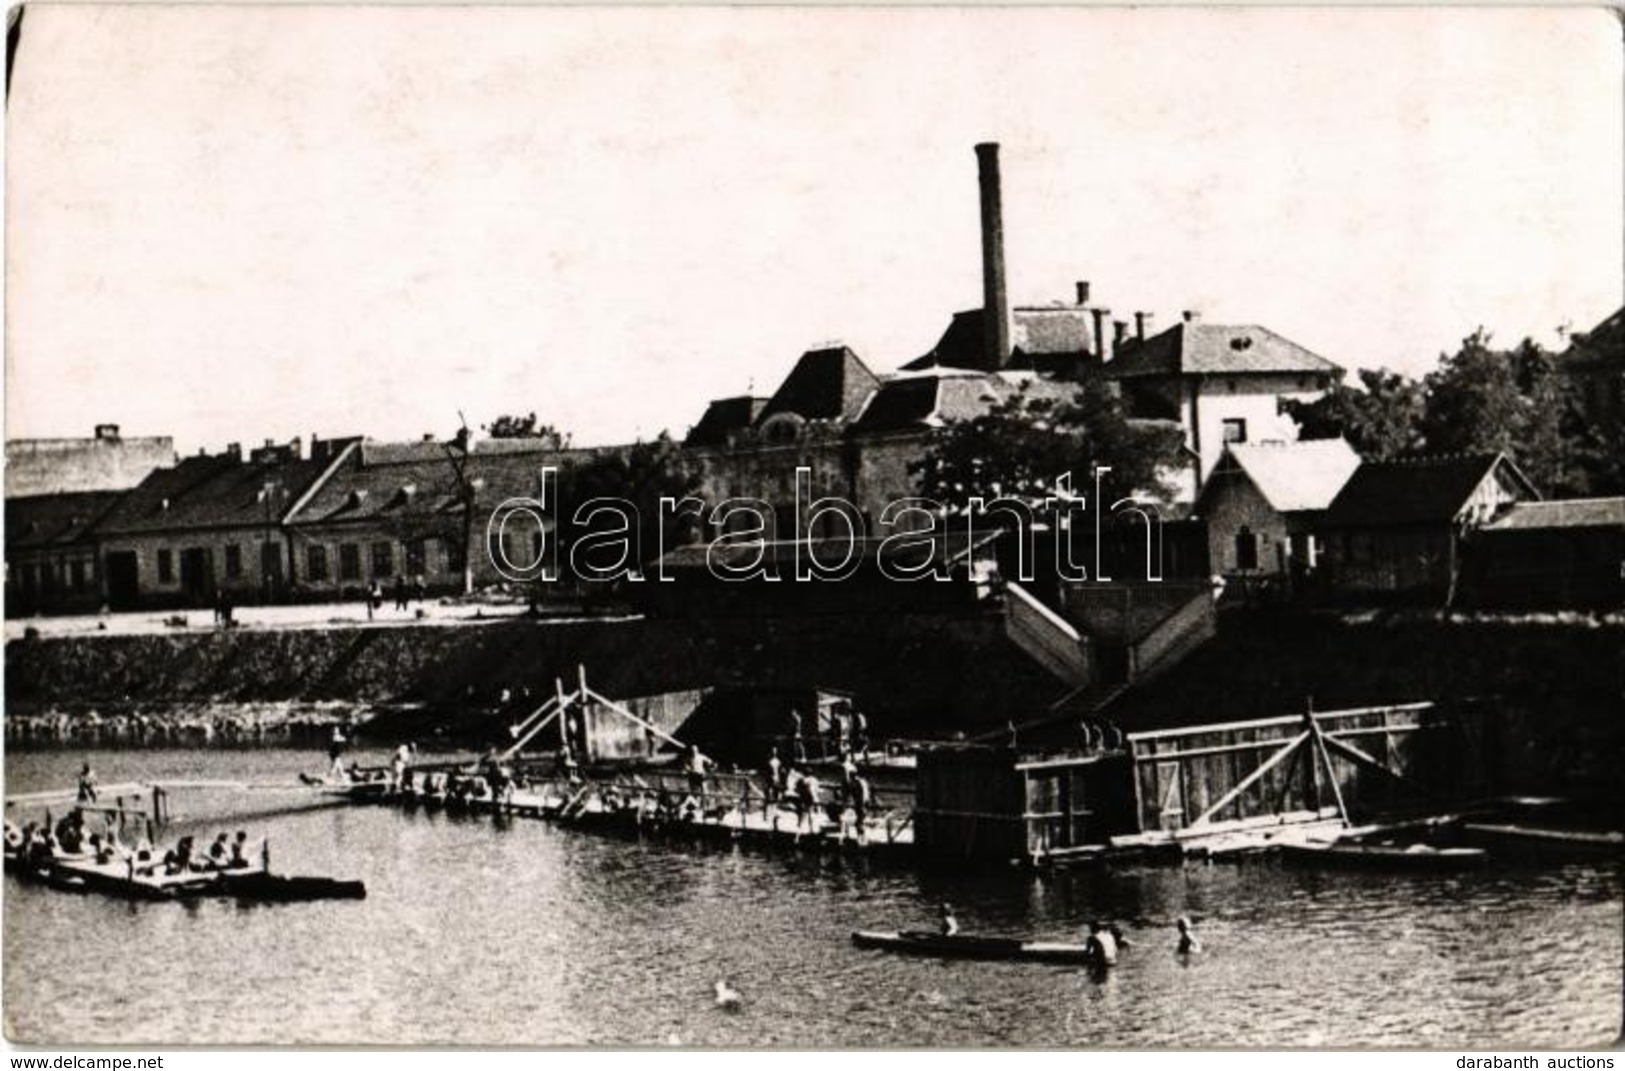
pixel 236 223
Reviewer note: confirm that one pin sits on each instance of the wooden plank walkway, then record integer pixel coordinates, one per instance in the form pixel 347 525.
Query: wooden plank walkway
pixel 621 807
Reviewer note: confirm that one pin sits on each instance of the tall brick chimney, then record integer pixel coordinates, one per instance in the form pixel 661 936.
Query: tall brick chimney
pixel 995 301
pixel 1103 344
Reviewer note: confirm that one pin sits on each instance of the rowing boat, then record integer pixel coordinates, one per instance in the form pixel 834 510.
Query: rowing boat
pixel 288 889
pixel 1546 841
pixel 1386 856
pixel 967 946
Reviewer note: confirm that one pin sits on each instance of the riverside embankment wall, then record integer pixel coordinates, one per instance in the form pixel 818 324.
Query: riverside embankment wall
pixel 929 674
pixel 1555 685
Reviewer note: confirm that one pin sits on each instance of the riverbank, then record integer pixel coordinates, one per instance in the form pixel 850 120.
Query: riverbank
pixel 919 673
pixel 1558 680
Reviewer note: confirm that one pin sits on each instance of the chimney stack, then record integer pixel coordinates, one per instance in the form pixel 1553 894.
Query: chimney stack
pixel 1142 325
pixel 995 300
pixel 1191 316
pixel 1103 349
pixel 1083 292
pixel 1119 334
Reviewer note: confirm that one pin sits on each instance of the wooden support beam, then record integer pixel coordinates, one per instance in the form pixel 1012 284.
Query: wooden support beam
pixel 1251 779
pixel 531 733
pixel 528 721
pixel 1331 774
pixel 1349 751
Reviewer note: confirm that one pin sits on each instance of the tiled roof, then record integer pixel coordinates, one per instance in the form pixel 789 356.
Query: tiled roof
pixel 1216 349
pixel 1416 490
pixel 931 399
pixel 392 453
pixel 212 492
pixel 826 384
pixel 525 445
pixel 421 489
pixel 1562 513
pixel 1601 347
pixel 1036 332
pixel 39 522
pixel 1294 476
pixel 723 417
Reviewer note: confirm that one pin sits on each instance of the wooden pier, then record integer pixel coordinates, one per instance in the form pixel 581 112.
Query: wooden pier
pixel 1206 789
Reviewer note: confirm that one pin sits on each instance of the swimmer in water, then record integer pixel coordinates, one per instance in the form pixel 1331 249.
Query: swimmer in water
pixel 1102 945
pixel 1188 943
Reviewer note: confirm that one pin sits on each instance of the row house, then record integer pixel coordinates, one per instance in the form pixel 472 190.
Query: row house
pixel 421 514
pixel 52 565
pixel 211 526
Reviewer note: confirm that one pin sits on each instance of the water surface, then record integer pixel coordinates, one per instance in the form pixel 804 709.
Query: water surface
pixel 479 931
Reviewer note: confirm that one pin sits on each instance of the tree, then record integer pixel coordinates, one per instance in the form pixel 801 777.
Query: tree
pixel 640 476
pixel 1020 446
pixel 524 427
pixel 1381 419
pixel 1516 402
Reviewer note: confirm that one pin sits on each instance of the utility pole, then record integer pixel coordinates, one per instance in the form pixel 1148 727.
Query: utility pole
pixel 457 454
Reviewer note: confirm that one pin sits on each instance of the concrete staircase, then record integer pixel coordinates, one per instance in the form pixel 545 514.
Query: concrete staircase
pixel 1046 637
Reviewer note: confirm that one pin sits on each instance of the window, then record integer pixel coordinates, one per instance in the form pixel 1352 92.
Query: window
pixel 166 567
pixel 316 564
pixel 1246 549
pixel 416 555
pixel 270 559
pixel 383 559
pixel 78 569
pixel 349 561
pixel 454 556
pixel 234 561
pixel 1235 430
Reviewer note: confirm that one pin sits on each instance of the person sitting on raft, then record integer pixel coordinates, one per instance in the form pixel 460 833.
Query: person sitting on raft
pixel 220 852
pixel 239 852
pixel 1101 945
pixel 178 859
pixel 949 925
pixel 1188 944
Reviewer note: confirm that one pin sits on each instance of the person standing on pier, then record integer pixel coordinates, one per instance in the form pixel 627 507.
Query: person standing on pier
pixel 697 765
pixel 949 924
pixel 775 780
pixel 798 750
pixel 87 784
pixel 335 755
pixel 806 804
pixel 859 789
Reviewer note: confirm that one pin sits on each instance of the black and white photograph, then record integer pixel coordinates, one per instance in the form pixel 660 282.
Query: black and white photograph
pixel 814 528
